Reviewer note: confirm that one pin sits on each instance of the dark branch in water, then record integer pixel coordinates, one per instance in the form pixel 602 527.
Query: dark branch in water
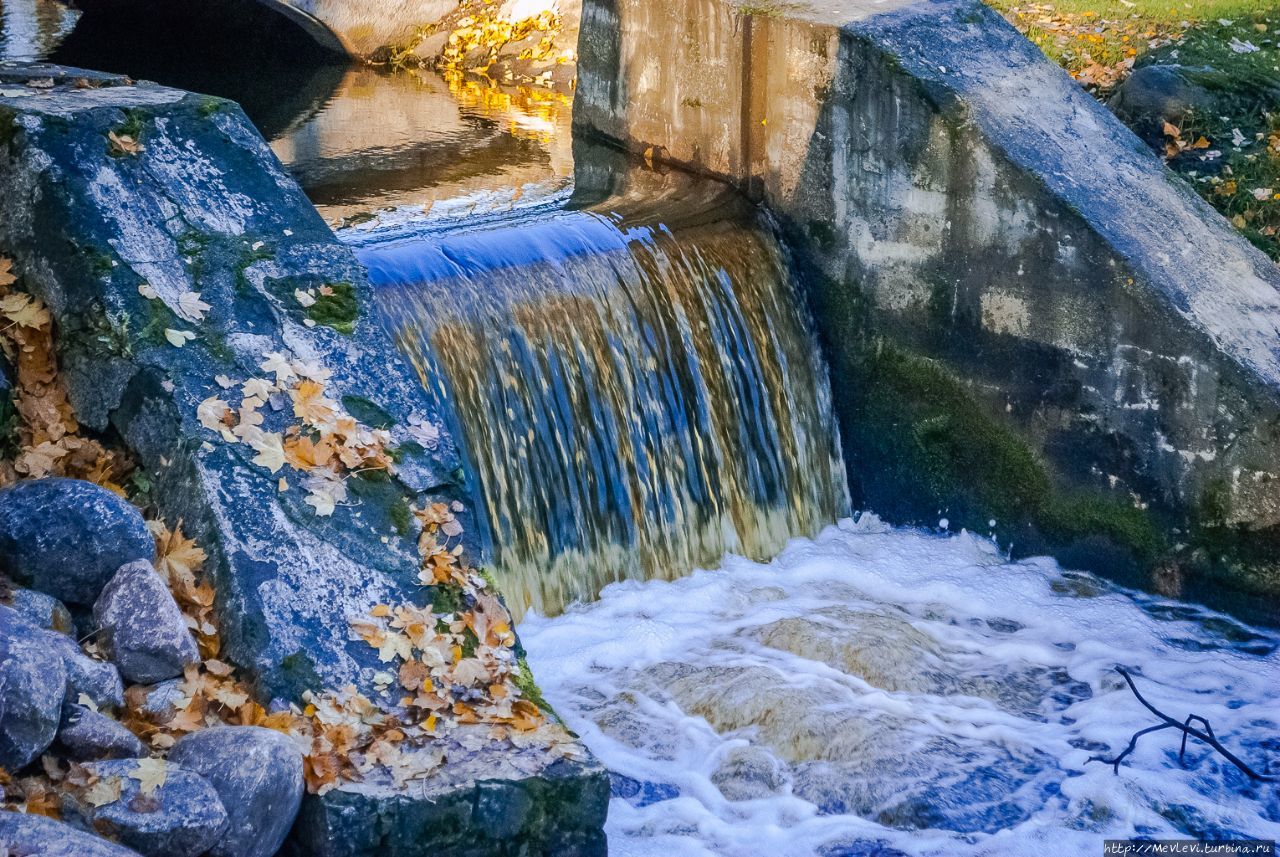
pixel 1188 731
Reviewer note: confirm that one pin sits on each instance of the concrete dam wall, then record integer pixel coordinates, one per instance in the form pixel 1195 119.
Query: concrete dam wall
pixel 1034 329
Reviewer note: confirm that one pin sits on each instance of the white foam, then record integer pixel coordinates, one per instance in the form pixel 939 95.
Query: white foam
pixel 994 656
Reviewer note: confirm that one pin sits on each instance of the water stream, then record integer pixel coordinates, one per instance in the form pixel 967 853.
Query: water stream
pixel 367 144
pixel 879 692
pixel 639 393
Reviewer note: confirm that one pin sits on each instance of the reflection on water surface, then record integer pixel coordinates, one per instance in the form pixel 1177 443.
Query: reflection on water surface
pixel 360 140
pixel 411 139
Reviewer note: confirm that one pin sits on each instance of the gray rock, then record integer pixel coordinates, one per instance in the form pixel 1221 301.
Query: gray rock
pixel 250 232
pixel 209 207
pixel 143 629
pixel 43 837
pixel 87 736
pixel 42 610
pixel 1156 94
pixel 32 684
pixel 182 817
pixel 560 811
pixel 67 537
pixel 750 773
pixel 98 680
pixel 258 775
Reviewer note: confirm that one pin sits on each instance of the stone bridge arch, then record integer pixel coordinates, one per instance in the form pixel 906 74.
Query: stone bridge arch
pixel 319 32
pixel 350 27
pixel 359 27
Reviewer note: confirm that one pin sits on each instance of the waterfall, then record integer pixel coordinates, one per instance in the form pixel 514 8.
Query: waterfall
pixel 637 396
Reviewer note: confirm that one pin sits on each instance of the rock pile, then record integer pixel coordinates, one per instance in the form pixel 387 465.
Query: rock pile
pixel 75 558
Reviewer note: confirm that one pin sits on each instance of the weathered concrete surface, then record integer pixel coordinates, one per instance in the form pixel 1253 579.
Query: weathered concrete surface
pixel 1028 319
pixel 195 202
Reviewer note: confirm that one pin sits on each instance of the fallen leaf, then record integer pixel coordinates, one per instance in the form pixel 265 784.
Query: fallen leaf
pixel 123 144
pixel 150 774
pixel 270 451
pixel 191 308
pixel 104 791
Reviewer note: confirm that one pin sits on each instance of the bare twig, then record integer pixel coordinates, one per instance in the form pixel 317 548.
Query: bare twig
pixel 1188 731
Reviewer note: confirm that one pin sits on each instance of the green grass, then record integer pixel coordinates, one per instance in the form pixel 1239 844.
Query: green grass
pixel 1101 41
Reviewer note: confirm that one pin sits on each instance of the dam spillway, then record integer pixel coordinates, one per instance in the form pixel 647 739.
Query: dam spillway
pixel 638 395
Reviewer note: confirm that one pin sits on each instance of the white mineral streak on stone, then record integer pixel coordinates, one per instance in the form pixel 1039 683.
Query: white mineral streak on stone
pixel 195 183
pixel 142 242
pixel 70 103
pixel 240 134
pixel 316 590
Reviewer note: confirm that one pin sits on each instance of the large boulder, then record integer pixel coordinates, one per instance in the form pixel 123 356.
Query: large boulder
pixel 258 775
pixel 162 811
pixel 142 628
pixel 86 736
pixel 35 835
pixel 32 684
pixel 188 252
pixel 67 537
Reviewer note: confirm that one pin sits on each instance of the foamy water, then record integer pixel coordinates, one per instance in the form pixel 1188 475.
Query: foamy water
pixel 879 691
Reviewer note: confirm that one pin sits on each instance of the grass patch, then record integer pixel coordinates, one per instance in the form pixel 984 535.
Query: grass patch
pixel 1231 48
pixel 769 10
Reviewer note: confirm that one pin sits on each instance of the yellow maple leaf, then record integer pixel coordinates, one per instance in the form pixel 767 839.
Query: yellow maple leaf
pixel 150 774
pixel 103 792
pixel 229 696
pixel 180 557
pixel 24 310
pixel 270 451
pixel 310 405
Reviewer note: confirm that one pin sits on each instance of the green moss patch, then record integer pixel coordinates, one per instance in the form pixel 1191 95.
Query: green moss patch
pixel 338 309
pixel 932 449
pixel 523 680
pixel 367 412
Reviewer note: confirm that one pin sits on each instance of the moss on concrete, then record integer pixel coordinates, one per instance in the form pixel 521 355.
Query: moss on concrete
pixel 943 453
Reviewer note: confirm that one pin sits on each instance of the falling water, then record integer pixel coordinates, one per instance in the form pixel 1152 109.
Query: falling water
pixel 638 397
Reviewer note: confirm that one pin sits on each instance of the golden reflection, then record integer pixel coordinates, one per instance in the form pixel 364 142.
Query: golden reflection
pixel 410 138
